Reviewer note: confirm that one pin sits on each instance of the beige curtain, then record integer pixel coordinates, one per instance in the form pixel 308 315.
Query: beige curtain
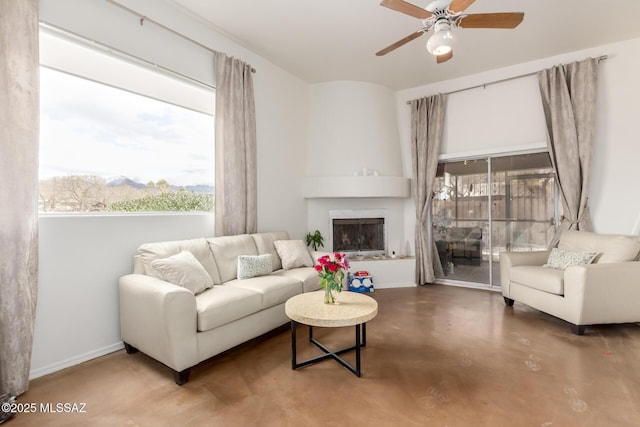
pixel 19 120
pixel 569 102
pixel 427 124
pixel 236 177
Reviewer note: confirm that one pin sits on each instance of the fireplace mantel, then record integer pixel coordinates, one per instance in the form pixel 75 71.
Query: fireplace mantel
pixel 319 187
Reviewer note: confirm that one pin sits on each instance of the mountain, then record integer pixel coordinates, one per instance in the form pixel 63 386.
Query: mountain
pixel 123 180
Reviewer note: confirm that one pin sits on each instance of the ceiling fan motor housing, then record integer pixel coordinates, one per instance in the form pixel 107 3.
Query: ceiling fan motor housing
pixel 441 15
pixel 442 24
pixel 438 6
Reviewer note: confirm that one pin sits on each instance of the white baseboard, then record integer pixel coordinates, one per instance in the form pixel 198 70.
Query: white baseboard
pixel 393 285
pixel 75 360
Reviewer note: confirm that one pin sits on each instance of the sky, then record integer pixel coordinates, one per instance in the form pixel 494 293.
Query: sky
pixel 88 128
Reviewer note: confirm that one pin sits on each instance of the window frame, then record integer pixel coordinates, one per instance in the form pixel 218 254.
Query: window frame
pixel 202 89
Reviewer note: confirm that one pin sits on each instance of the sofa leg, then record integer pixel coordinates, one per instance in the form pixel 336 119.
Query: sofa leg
pixel 508 301
pixel 577 329
pixel 181 377
pixel 129 348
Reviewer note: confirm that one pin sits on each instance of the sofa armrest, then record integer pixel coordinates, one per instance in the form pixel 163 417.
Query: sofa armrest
pixel 514 259
pixel 603 293
pixel 159 319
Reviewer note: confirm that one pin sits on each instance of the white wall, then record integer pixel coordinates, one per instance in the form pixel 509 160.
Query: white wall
pixel 508 117
pixel 352 125
pixel 82 257
pixel 116 28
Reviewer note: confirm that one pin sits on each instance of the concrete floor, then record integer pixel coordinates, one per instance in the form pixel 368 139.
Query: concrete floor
pixel 435 356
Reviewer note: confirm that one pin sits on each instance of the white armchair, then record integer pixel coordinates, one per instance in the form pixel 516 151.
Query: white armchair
pixel 607 290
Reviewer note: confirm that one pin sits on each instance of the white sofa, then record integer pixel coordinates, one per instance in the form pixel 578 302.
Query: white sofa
pixel 607 290
pixel 181 329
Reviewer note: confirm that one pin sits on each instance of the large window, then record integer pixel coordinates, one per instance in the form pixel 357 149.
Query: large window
pixel 484 206
pixel 120 140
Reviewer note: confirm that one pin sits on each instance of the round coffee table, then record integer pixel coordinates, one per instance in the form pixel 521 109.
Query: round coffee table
pixel 353 309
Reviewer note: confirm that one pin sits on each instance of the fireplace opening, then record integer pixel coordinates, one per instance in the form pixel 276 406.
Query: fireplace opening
pixel 359 235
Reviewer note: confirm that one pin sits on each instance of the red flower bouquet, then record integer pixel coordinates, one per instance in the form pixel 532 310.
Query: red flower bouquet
pixel 332 271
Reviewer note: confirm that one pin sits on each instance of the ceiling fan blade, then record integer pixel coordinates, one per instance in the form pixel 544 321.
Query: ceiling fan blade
pixel 400 42
pixel 445 57
pixel 460 5
pixel 407 8
pixel 490 20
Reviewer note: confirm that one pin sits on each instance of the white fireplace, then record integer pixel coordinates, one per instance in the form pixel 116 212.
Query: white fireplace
pixel 358 231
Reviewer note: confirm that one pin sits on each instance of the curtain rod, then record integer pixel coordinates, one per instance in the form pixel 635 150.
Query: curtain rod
pixel 600 58
pixel 144 18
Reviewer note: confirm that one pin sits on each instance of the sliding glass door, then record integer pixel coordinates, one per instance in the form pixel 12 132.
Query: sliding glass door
pixel 482 207
pixel 461 220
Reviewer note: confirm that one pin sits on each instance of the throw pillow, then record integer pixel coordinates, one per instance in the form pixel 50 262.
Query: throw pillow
pixel 254 265
pixel 183 269
pixel 561 258
pixel 293 253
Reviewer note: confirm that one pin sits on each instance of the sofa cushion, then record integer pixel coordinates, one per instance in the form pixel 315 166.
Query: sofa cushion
pixel 222 304
pixel 274 289
pixel 307 275
pixel 561 258
pixel 545 279
pixel 183 269
pixel 226 250
pixel 613 247
pixel 264 244
pixel 198 247
pixel 293 253
pixel 254 265
pixel 620 249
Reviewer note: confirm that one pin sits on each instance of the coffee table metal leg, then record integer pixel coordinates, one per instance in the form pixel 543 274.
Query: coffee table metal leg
pixel 364 334
pixel 360 338
pixel 294 325
pixel 357 372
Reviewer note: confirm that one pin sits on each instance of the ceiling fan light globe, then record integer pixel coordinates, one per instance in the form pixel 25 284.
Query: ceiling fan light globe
pixel 442 50
pixel 441 42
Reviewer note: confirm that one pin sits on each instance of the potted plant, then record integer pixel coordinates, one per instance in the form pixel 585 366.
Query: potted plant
pixel 315 240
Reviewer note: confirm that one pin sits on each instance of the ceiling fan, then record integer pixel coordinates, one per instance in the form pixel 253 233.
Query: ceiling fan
pixel 443 16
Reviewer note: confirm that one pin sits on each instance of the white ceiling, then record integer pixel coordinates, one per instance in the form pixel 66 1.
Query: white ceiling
pixel 332 40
